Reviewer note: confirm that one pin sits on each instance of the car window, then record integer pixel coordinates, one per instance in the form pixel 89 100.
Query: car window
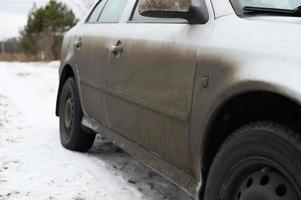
pixel 136 17
pixel 281 4
pixel 94 16
pixel 112 11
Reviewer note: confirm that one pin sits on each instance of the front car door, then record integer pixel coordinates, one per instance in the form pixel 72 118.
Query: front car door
pixel 151 84
pixel 92 49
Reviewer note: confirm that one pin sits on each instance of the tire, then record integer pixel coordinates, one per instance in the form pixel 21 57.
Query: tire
pixel 261 161
pixel 73 135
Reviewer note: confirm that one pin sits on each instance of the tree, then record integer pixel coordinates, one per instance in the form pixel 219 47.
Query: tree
pixel 42 36
pixel 10 46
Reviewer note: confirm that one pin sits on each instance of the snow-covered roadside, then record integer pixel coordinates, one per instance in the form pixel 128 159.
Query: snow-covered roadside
pixel 33 165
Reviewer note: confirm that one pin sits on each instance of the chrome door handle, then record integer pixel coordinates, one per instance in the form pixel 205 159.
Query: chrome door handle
pixel 117 49
pixel 78 43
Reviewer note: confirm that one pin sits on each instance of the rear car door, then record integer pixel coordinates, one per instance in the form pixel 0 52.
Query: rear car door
pixel 92 49
pixel 151 84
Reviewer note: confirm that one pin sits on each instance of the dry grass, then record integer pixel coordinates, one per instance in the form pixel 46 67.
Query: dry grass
pixel 17 57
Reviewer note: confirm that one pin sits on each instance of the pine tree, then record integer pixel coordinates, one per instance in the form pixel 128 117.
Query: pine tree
pixel 42 36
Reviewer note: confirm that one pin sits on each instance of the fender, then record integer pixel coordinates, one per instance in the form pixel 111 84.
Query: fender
pixel 234 63
pixel 68 66
pixel 228 78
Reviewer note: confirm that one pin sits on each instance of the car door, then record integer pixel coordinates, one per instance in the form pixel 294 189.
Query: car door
pixel 151 84
pixel 92 49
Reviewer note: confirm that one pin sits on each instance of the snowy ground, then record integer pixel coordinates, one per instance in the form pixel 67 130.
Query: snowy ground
pixel 33 165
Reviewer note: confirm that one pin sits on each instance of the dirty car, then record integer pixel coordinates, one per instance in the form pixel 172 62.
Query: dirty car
pixel 205 92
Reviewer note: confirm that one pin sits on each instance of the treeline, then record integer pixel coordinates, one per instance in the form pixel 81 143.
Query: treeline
pixel 10 46
pixel 42 36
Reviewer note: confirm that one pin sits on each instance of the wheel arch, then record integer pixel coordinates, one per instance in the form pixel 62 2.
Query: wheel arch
pixel 66 73
pixel 257 105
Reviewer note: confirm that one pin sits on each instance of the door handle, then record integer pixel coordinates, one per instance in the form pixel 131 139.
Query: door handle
pixel 78 43
pixel 117 49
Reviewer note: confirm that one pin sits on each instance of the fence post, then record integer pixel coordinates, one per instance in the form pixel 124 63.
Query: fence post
pixel 3 47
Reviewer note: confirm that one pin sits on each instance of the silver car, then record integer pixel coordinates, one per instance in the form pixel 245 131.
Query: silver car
pixel 206 92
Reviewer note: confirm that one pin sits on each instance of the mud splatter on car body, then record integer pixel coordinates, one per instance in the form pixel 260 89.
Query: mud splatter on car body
pixel 151 99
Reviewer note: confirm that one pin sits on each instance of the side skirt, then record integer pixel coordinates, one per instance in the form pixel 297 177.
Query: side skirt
pixel 175 175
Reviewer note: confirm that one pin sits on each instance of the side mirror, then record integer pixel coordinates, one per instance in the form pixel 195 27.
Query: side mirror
pixel 193 12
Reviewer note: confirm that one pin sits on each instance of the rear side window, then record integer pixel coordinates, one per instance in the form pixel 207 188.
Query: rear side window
pixel 94 16
pixel 112 11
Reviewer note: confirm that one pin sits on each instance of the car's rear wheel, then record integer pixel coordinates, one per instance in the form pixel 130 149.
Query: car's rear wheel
pixel 73 135
pixel 261 161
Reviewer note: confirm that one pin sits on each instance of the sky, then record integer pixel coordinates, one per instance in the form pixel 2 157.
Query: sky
pixel 13 13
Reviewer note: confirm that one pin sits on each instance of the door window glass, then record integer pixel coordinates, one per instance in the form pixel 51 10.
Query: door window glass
pixel 93 18
pixel 279 4
pixel 112 11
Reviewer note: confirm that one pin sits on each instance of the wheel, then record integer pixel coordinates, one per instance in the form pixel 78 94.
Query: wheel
pixel 72 134
pixel 261 161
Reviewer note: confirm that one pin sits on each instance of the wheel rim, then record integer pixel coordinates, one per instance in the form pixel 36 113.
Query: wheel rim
pixel 265 184
pixel 259 179
pixel 68 115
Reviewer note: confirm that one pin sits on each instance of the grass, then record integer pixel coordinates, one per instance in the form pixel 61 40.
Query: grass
pixel 17 58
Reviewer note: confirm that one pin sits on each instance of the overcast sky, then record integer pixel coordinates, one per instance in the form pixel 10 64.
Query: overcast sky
pixel 13 13
pixel 19 7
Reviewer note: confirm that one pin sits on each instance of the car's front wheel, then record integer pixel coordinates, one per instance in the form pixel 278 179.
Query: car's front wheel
pixel 261 161
pixel 73 135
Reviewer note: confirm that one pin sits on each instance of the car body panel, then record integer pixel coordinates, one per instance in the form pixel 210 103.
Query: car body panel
pixel 241 61
pixel 234 56
pixel 92 60
pixel 151 84
pixel 222 8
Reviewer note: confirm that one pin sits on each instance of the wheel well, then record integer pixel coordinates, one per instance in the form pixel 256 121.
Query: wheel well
pixel 247 108
pixel 67 72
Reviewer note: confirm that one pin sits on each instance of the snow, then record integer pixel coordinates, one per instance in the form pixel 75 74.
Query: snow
pixel 33 164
